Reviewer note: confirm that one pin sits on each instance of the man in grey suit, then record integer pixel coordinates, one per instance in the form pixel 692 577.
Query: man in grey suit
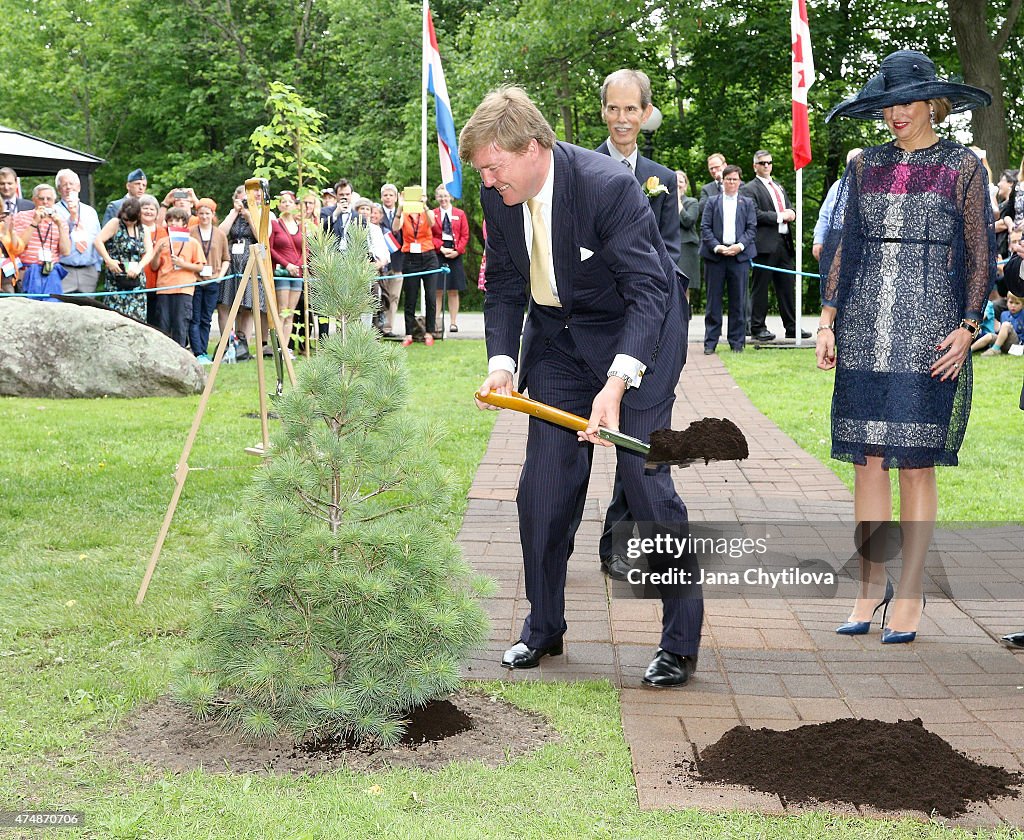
pixel 626 104
pixel 727 231
pixel 570 233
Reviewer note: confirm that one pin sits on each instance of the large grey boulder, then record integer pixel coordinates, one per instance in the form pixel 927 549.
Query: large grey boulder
pixel 53 349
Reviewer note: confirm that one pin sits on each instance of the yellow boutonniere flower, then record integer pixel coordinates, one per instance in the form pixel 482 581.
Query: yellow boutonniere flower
pixel 653 187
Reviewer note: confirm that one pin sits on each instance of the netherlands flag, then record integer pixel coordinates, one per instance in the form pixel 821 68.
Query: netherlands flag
pixel 451 169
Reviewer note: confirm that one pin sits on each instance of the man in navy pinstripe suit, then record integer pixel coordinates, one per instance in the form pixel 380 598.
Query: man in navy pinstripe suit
pixel 570 233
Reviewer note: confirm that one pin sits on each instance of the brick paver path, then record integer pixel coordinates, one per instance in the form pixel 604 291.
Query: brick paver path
pixel 775 663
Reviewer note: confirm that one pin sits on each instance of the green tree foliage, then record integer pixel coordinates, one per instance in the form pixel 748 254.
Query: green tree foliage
pixel 341 603
pixel 291 142
pixel 179 87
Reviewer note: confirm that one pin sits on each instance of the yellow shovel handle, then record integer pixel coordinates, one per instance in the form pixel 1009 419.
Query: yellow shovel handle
pixel 517 402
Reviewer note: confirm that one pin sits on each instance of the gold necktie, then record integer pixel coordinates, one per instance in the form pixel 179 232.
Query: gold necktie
pixel 540 259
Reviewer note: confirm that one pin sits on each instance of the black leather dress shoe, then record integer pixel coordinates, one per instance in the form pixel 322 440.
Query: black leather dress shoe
pixel 803 334
pixel 1014 640
pixel 521 656
pixel 709 351
pixel 616 567
pixel 764 335
pixel 669 669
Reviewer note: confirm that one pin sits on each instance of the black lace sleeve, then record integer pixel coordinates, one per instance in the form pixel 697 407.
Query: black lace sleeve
pixel 979 242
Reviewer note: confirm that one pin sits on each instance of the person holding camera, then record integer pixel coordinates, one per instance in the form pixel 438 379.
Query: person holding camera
pixel 239 230
pixel 125 247
pixel 183 199
pixel 43 237
pixel 83 263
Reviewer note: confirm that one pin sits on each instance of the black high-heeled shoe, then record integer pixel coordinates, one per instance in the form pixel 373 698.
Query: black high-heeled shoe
pixel 860 628
pixel 902 637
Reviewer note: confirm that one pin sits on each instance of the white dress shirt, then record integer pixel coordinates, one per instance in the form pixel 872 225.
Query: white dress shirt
pixel 622 363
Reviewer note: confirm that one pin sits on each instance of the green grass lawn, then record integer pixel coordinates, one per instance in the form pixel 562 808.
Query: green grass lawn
pixel 787 387
pixel 85 484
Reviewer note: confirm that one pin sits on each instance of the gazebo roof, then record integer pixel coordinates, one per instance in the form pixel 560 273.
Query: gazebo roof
pixel 29 154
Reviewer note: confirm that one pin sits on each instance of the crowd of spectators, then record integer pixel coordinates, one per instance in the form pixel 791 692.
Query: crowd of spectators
pixel 172 263
pixel 56 243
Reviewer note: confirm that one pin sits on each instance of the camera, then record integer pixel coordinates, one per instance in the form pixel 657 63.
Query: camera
pixel 47 211
pixel 181 193
pixel 245 203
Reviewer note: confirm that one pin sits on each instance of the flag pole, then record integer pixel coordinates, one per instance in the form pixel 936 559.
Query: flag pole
pixel 803 78
pixel 799 253
pixel 425 46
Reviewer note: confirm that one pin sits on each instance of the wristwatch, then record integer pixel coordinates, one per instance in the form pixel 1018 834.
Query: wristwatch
pixel 625 377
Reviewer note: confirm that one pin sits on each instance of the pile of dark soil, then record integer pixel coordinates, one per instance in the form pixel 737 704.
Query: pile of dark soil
pixel 710 439
pixel 889 766
pixel 465 727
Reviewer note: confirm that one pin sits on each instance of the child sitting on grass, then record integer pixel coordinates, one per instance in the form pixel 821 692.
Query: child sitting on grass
pixel 987 328
pixel 1011 327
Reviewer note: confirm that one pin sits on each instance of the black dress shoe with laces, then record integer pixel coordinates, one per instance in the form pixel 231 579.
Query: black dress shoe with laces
pixel 1013 640
pixel 669 669
pixel 616 567
pixel 803 334
pixel 521 656
pixel 764 335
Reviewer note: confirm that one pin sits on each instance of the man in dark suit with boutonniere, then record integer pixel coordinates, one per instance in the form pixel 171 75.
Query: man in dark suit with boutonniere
pixel 626 104
pixel 571 234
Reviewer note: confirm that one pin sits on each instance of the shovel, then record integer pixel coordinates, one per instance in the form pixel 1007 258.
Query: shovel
pixel 709 439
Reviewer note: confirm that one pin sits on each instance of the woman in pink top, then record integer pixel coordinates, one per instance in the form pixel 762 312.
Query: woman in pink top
pixel 286 254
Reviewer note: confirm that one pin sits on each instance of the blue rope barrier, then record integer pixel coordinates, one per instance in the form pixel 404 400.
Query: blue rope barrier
pixel 815 274
pixel 442 270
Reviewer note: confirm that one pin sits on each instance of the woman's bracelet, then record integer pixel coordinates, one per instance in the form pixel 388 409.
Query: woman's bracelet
pixel 824 327
pixel 972 326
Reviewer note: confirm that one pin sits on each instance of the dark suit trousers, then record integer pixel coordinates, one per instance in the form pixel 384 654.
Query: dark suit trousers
pixel 784 290
pixel 731 274
pixel 553 485
pixel 413 263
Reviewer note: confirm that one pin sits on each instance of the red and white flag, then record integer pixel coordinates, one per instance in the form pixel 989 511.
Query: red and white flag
pixel 803 78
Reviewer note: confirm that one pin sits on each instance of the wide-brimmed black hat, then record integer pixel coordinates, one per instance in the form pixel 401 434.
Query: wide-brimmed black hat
pixel 907 76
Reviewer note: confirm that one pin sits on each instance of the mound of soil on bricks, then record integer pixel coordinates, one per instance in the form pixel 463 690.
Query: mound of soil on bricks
pixel 465 727
pixel 889 766
pixel 710 439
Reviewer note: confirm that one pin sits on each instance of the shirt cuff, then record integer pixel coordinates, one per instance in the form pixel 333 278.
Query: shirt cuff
pixel 632 368
pixel 506 363
pixel 741 246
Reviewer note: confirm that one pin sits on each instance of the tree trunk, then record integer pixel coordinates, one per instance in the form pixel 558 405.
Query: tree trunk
pixel 565 104
pixel 979 57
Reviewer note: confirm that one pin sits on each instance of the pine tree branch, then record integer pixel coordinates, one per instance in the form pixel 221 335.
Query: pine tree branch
pixel 317 508
pixel 388 512
pixel 383 488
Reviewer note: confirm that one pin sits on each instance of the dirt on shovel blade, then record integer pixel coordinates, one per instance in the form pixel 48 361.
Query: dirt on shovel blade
pixel 709 439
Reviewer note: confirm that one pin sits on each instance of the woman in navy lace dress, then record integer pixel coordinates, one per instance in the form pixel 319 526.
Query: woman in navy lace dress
pixel 906 268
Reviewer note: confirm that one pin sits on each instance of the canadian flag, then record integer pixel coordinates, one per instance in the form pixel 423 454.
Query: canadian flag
pixel 803 78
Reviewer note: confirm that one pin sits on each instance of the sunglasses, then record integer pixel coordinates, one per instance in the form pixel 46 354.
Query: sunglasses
pixel 763 162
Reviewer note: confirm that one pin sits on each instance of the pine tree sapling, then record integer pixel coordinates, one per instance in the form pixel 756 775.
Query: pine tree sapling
pixel 340 602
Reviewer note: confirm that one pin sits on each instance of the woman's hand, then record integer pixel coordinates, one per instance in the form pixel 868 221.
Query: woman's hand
pixel 825 348
pixel 112 266
pixel 955 349
pixel 293 270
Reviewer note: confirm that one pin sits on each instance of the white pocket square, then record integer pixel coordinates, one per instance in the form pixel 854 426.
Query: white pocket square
pixel 585 254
